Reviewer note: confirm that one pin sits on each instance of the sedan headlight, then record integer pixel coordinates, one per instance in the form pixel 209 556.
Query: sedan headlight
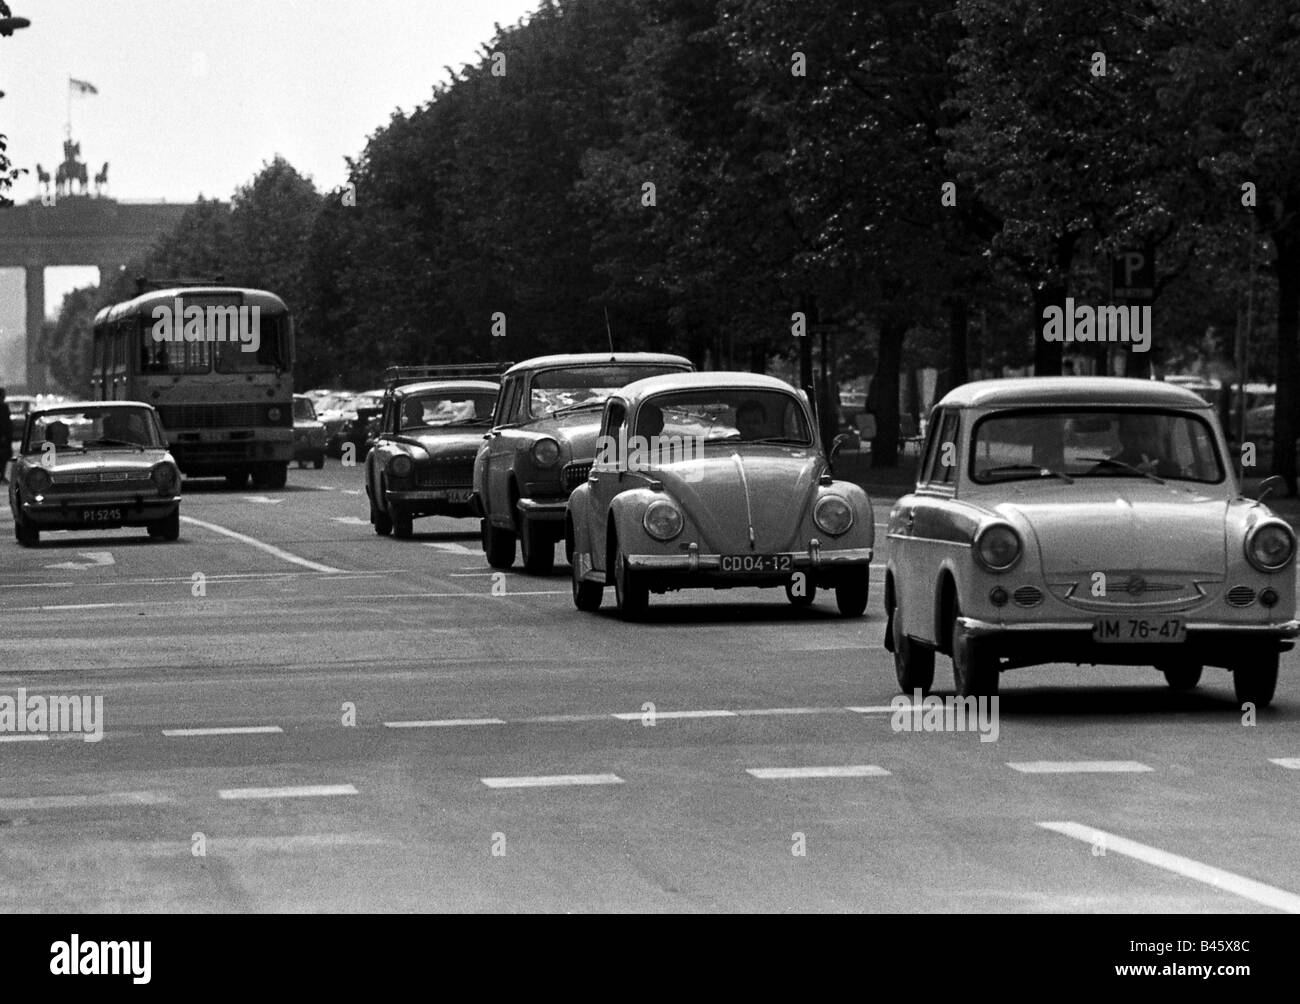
pixel 164 477
pixel 546 452
pixel 833 515
pixel 1270 546
pixel 401 466
pixel 997 547
pixel 37 480
pixel 662 520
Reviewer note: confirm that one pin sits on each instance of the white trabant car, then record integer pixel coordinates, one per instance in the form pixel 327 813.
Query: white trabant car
pixel 1090 521
pixel 715 480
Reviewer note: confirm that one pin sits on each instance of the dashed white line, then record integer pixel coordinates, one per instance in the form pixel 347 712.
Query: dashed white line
pixel 443 723
pixel 108 798
pixel 298 791
pixel 1257 892
pixel 454 548
pixel 270 549
pixel 235 730
pixel 785 773
pixel 551 780
pixel 876 709
pixel 1290 763
pixel 636 716
pixel 1080 767
pixel 23 738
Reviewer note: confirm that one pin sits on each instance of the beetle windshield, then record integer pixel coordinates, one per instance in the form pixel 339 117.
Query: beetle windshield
pixel 1095 443
pixel 115 428
pixel 726 414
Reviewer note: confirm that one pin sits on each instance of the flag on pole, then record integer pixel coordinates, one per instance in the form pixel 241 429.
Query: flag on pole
pixel 81 87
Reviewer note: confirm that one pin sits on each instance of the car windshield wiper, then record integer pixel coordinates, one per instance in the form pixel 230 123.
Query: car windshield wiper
pixel 115 442
pixel 577 407
pixel 795 440
pixel 1111 461
pixel 1042 472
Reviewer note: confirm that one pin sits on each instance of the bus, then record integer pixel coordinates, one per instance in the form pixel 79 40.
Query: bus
pixel 221 376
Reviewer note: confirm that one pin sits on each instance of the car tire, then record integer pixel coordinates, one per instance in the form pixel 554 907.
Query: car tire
pixel 26 534
pixel 167 528
pixel 498 545
pixel 913 662
pixel 1182 677
pixel 1255 680
pixel 586 595
pixel 852 596
pixel 237 479
pixel 381 521
pixel 974 671
pixel 319 462
pixel 403 525
pixel 630 591
pixel 536 548
pixel 809 593
pixel 276 476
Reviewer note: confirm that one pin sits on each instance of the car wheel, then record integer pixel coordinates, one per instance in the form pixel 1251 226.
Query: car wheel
pixel 974 670
pixel 586 595
pixel 630 592
pixel 913 662
pixel 498 545
pixel 26 534
pixel 237 479
pixel 276 476
pixel 380 521
pixel 1255 680
pixel 402 524
pixel 537 547
pixel 809 593
pixel 319 462
pixel 851 596
pixel 168 528
pixel 1182 677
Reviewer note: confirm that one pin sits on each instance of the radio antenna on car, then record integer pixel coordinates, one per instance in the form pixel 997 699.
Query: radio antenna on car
pixel 610 334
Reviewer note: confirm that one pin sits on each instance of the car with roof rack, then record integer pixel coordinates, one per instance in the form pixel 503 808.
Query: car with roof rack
pixel 1085 520
pixel 542 445
pixel 430 425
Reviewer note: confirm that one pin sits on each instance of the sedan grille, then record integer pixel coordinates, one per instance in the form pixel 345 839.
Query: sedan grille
pixel 576 474
pixel 458 474
pixel 98 481
pixel 1241 596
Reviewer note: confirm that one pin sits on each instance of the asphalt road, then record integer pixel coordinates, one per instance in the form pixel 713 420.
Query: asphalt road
pixel 413 725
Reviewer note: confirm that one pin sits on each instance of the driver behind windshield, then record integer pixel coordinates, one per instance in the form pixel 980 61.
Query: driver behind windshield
pixel 412 413
pixel 124 427
pixel 751 420
pixel 1141 447
pixel 57 433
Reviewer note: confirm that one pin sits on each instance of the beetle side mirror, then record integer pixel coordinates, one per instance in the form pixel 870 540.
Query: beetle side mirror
pixel 1268 486
pixel 837 444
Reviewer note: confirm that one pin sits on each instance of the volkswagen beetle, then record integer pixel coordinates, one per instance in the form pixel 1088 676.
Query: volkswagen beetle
pixel 94 466
pixel 542 445
pixel 1090 521
pixel 715 480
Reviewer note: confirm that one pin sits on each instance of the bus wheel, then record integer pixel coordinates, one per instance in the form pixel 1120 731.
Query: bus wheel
pixel 236 479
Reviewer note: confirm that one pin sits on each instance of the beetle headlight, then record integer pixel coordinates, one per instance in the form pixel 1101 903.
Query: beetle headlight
pixel 164 477
pixel 37 480
pixel 833 515
pixel 997 547
pixel 1270 546
pixel 662 520
pixel 546 452
pixel 401 466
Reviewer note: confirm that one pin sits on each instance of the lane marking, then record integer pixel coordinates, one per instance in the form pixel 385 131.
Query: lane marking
pixel 350 520
pixel 559 719
pixel 881 709
pixel 86 801
pixel 551 780
pixel 24 738
pixel 270 549
pixel 234 730
pixel 351 491
pixel 749 712
pixel 262 499
pixel 1080 767
pixel 298 791
pixel 454 548
pixel 443 723
pixel 1257 892
pixel 636 716
pixel 783 773
pixel 1290 763
pixel 98 559
pixel 82 606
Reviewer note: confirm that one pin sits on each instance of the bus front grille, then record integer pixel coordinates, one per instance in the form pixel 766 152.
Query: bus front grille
pixel 217 416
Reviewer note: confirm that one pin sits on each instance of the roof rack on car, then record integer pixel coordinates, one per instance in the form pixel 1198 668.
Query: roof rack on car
pixel 395 376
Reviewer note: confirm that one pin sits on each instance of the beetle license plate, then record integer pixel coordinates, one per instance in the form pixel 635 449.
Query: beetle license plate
pixel 1139 629
pixel 101 515
pixel 743 563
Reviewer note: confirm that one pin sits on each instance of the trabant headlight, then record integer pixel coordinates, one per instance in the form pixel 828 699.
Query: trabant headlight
pixel 833 515
pixel 997 547
pixel 662 520
pixel 546 452
pixel 37 480
pixel 401 466
pixel 1270 546
pixel 164 477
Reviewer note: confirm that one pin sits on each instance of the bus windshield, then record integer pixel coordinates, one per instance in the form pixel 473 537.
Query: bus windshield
pixel 263 349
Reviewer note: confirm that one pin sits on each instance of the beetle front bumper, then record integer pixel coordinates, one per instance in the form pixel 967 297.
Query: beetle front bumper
pixel 816 558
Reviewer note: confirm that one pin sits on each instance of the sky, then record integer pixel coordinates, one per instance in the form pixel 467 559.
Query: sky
pixel 195 97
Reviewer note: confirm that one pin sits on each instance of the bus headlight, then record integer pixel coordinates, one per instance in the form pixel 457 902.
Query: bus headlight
pixel 401 466
pixel 833 515
pixel 274 414
pixel 165 478
pixel 546 452
pixel 1270 546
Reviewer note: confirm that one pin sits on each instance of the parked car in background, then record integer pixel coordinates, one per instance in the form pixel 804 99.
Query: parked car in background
pixel 715 480
pixel 308 433
pixel 429 431
pixel 94 466
pixel 542 444
pixel 347 424
pixel 1091 521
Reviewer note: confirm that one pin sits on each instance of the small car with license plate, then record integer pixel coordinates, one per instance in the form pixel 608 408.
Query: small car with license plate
pixel 715 480
pixel 1090 521
pixel 429 432
pixel 308 433
pixel 94 466
pixel 542 444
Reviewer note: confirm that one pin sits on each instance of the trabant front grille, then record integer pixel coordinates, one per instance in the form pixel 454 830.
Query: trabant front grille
pixel 1130 589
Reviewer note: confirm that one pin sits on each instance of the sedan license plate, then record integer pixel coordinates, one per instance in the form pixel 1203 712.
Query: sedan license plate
pixel 743 563
pixel 101 515
pixel 1170 630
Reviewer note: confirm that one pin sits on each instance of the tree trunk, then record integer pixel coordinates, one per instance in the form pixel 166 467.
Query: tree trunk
pixel 957 371
pixel 1047 355
pixel 1286 416
pixel 882 399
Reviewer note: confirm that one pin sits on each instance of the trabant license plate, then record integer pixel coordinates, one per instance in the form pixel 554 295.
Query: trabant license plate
pixel 101 515
pixel 743 563
pixel 1150 630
